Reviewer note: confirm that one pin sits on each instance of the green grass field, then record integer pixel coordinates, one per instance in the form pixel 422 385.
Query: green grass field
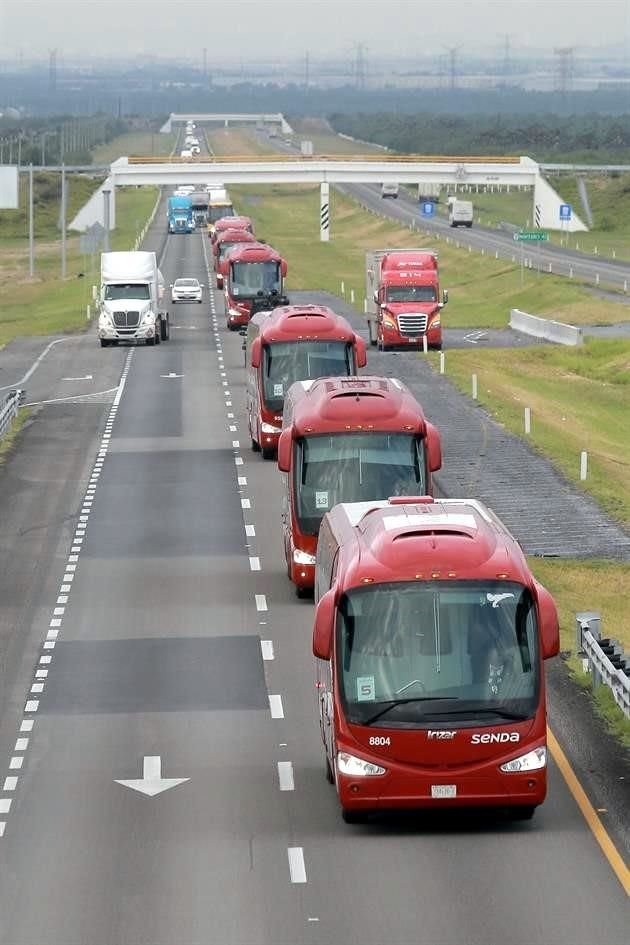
pixel 46 204
pixel 49 305
pixel 135 143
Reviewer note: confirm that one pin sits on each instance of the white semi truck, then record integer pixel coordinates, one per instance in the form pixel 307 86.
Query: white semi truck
pixel 130 300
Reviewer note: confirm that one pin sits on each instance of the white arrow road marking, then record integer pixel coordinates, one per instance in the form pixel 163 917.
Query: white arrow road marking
pixel 172 374
pixel 152 782
pixel 88 377
pixel 475 336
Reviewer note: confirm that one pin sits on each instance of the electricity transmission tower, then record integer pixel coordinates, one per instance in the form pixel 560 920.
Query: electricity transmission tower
pixel 452 65
pixel 563 73
pixel 360 65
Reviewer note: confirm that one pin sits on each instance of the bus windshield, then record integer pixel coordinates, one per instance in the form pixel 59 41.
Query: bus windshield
pixel 410 653
pixel 411 293
pixel 288 361
pixel 354 467
pixel 215 213
pixel 250 279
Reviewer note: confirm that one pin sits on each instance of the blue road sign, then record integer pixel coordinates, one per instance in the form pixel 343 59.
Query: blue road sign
pixel 565 211
pixel 428 209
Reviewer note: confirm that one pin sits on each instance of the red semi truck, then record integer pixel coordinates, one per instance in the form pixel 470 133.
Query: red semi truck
pixel 291 343
pixel 430 635
pixel 347 439
pixel 253 282
pixel 403 298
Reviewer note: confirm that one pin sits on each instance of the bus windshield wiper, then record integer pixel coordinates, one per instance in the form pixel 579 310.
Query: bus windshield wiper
pixel 500 711
pixel 394 702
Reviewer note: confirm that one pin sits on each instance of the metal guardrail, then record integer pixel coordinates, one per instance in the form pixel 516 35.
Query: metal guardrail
pixel 604 659
pixel 9 410
pixel 336 158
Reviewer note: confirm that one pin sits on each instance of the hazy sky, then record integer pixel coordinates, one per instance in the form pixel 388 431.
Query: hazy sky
pixel 259 28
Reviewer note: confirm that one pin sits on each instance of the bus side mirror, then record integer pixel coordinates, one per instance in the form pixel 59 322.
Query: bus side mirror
pixel 255 355
pixel 434 448
pixel 361 351
pixel 283 268
pixel 219 280
pixel 376 297
pixel 323 628
pixel 548 623
pixel 445 297
pixel 284 450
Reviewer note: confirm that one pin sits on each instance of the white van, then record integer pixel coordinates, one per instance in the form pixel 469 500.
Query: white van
pixel 389 190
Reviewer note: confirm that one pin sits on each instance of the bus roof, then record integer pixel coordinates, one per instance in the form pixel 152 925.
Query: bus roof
pixel 255 252
pixel 340 404
pixel 301 322
pixel 407 538
pixel 235 235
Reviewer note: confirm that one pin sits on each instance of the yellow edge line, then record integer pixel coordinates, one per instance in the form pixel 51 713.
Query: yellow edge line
pixel 598 830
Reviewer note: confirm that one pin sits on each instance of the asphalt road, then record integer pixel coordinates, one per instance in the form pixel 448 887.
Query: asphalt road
pixel 160 600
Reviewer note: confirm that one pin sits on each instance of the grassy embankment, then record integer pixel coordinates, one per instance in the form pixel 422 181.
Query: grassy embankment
pixel 585 386
pixel 47 304
pixel 135 144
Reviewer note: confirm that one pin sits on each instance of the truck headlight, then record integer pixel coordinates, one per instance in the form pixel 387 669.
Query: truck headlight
pixel 532 761
pixel 302 557
pixel 148 319
pixel 435 322
pixel 390 322
pixel 356 767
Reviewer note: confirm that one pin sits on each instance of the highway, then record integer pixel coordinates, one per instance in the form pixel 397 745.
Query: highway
pixel 149 627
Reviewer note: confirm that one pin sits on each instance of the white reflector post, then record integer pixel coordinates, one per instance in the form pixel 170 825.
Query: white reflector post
pixel 324 212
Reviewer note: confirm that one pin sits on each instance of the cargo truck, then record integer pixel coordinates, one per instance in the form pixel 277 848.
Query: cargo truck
pixel 402 291
pixel 219 205
pixel 199 201
pixel 130 299
pixel 180 214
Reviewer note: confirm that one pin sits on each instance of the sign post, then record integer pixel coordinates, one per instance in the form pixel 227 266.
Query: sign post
pixel 427 208
pixel 566 212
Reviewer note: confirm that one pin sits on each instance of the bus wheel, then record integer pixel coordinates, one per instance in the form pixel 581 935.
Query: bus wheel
pixel 353 816
pixel 255 446
pixel 303 593
pixel 268 453
pixel 328 770
pixel 523 813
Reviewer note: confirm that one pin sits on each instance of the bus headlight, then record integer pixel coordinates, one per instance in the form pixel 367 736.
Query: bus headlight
pixel 532 761
pixel 301 557
pixel 234 313
pixel 269 428
pixel 357 767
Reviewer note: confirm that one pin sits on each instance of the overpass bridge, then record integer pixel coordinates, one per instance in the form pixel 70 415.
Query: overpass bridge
pixel 225 118
pixel 460 172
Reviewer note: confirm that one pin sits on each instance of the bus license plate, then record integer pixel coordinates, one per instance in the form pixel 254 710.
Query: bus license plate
pixel 414 341
pixel 443 790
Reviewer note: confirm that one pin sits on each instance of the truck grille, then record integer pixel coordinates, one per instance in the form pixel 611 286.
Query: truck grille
pixel 413 324
pixel 126 319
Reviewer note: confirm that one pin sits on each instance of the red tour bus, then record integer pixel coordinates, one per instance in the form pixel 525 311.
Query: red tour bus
pixel 253 282
pixel 347 440
pixel 292 343
pixel 430 635
pixel 225 241
pixel 232 223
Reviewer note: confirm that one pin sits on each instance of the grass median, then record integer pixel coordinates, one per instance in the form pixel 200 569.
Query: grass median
pixel 47 304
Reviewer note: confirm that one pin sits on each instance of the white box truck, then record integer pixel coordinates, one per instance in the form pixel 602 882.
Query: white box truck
pixel 130 298
pixel 460 212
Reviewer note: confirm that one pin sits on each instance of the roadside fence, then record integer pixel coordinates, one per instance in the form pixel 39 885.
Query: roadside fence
pixel 9 410
pixel 603 658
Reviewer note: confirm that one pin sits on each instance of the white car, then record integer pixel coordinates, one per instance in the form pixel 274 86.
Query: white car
pixel 186 290
pixel 195 149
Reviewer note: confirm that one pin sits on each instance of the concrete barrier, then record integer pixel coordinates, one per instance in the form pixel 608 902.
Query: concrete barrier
pixel 545 328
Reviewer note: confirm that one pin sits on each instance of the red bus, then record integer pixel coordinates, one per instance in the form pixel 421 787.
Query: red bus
pixel 291 343
pixel 430 635
pixel 253 282
pixel 347 439
pixel 232 223
pixel 222 245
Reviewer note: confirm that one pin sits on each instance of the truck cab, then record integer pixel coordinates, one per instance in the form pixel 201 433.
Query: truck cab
pixel 130 299
pixel 404 303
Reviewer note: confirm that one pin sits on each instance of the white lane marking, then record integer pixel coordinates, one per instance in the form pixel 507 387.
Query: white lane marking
pixel 10 784
pixel 21 744
pixel 228 403
pixel 266 647
pixel 242 480
pixel 250 531
pixel 59 611
pixel 236 444
pixel 64 588
pixel 53 634
pixel 246 504
pixel 3 825
pixel 49 644
pixel 16 762
pixel 56 622
pixel 233 428
pixel 45 660
pixel 32 705
pixel 5 805
pixel 68 577
pixel 254 563
pixel 27 725
pixel 275 706
pixel 238 461
pixel 261 602
pixel 41 673
pixel 37 688
pixel 297 868
pixel 285 777
pixel 62 599
pixel 230 416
